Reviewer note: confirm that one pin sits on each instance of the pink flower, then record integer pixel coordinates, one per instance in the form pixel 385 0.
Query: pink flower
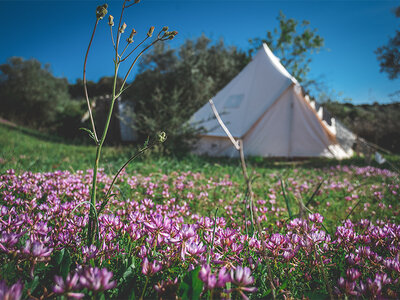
pixel 68 286
pixel 97 280
pixel 150 269
pixel 241 277
pixel 10 293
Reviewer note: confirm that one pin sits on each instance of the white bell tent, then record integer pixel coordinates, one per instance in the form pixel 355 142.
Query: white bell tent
pixel 265 108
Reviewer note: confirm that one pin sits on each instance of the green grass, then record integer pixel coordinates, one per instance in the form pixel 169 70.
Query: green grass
pixel 27 150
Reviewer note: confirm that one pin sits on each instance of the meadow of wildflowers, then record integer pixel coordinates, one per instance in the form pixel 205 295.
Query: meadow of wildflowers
pixel 161 236
pixel 321 233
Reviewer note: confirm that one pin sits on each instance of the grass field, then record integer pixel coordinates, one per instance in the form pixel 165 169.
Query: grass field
pixel 183 227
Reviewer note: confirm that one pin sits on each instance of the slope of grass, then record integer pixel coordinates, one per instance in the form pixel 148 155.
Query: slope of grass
pixel 27 150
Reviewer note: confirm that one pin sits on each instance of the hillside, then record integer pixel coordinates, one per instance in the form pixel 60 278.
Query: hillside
pixel 28 150
pixel 377 123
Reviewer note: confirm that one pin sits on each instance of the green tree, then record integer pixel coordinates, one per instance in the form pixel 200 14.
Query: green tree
pixel 30 95
pixel 389 55
pixel 173 84
pixel 293 44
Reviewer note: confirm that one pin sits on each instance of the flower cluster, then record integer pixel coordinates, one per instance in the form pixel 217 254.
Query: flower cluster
pixel 155 229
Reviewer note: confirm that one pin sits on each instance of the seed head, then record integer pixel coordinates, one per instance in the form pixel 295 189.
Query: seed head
pixel 165 28
pixel 130 38
pixel 162 136
pixel 172 34
pixel 150 32
pixel 122 28
pixel 101 11
pixel 110 20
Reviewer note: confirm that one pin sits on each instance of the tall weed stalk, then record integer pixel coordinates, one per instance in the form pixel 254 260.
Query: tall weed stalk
pixel 117 91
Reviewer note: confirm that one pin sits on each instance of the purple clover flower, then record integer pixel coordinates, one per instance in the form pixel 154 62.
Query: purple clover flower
pixel 150 269
pixel 68 287
pixel 10 293
pixel 211 280
pixel 241 277
pixel 97 280
pixel 353 274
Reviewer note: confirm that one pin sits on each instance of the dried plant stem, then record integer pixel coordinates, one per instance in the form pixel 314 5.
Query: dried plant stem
pixel 254 211
pixel 238 144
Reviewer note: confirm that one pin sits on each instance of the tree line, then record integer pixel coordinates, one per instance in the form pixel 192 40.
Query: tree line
pixel 172 84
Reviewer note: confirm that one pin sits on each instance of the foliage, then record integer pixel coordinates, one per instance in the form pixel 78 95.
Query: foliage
pixel 101 88
pixel 377 123
pixel 389 55
pixel 31 96
pixel 172 84
pixel 156 234
pixel 293 44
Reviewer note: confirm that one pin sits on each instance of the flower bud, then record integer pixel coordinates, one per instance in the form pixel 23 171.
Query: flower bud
pixel 110 20
pixel 130 38
pixel 165 28
pixel 137 1
pixel 162 136
pixel 101 11
pixel 151 30
pixel 122 28
pixel 172 34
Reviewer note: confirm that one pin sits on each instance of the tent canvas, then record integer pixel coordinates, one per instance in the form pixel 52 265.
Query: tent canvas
pixel 264 107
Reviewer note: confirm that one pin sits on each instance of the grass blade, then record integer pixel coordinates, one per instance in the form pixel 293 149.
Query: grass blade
pixel 286 198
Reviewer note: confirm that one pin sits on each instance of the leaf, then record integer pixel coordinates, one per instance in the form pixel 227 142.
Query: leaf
pixel 191 285
pixel 111 195
pixel 58 256
pixel 286 199
pixel 32 285
pixel 185 288
pixel 197 284
pixel 315 192
pixel 315 295
pixel 91 134
pixel 283 285
pixel 132 295
pixel 128 272
pixel 65 264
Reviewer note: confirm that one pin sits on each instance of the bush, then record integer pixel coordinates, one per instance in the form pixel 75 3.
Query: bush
pixel 31 96
pixel 173 84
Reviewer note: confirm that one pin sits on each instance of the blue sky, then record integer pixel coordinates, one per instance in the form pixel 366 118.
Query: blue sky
pixel 57 32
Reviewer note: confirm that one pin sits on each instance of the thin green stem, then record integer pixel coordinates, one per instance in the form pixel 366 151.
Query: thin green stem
pixel 112 37
pixel 213 237
pixel 85 83
pixel 134 49
pixel 324 273
pixel 101 142
pixel 92 215
pixel 144 289
pixel 123 51
pixel 117 174
pixel 133 63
